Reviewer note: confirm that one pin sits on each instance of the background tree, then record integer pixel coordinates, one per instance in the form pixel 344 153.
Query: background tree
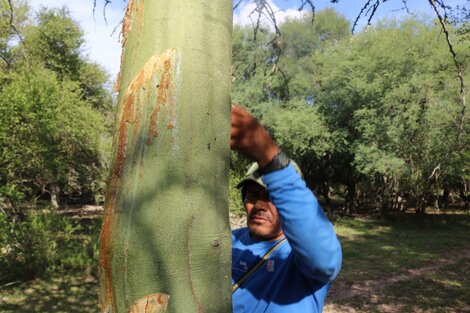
pixel 397 103
pixel 54 142
pixel 281 91
pixel 12 21
pixel 55 108
pixel 49 137
pixel 386 98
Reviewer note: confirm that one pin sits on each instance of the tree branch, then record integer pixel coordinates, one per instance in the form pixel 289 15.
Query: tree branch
pixel 94 8
pixel 405 6
pixel 5 60
pixel 271 15
pixel 369 8
pixel 436 169
pixel 106 2
pixel 458 67
pixel 116 28
pixel 258 20
pixel 310 4
pixel 11 21
pixel 236 5
pixel 20 37
pixel 443 7
pixel 307 3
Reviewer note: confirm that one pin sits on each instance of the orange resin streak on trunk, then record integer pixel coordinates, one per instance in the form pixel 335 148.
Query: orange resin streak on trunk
pixel 133 7
pixel 108 216
pixel 157 66
pixel 165 96
pixel 154 303
pixel 127 22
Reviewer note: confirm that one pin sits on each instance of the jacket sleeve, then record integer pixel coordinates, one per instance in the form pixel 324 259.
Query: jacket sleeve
pixel 311 235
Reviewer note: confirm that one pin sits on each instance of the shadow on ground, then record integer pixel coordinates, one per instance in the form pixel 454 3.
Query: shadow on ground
pixel 59 295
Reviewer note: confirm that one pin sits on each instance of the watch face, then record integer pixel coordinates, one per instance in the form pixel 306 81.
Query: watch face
pixel 283 159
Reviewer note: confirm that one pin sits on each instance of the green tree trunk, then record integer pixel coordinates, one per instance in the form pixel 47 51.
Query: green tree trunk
pixel 165 240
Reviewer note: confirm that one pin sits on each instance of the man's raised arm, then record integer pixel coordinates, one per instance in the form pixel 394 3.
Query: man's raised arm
pixel 314 243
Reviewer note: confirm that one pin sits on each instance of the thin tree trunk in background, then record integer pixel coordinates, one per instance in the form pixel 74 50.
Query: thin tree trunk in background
pixel 463 190
pixel 351 195
pixel 165 240
pixel 54 191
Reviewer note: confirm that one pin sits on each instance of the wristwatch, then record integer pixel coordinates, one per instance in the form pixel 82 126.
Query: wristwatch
pixel 279 161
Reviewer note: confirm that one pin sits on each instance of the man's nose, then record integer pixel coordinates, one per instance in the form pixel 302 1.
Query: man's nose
pixel 261 205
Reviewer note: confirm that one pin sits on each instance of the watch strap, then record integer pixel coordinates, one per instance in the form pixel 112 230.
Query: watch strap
pixel 279 161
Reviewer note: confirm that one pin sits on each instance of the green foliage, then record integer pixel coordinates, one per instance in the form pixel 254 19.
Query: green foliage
pixel 55 40
pixel 299 129
pixel 300 40
pixel 93 83
pixel 42 243
pixel 7 33
pixel 373 117
pixel 393 90
pixel 55 108
pixel 272 68
pixel 249 68
pixel 235 198
pixel 48 135
pixel 304 135
pixel 238 167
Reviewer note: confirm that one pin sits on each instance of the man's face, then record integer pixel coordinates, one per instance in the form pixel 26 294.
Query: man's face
pixel 262 216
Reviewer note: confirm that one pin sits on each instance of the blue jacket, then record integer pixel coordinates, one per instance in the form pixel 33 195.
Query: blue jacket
pixel 296 277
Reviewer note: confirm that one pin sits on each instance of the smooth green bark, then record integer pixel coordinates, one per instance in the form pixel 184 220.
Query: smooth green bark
pixel 166 228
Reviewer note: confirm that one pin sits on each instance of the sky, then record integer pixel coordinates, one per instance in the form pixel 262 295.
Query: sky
pixel 103 47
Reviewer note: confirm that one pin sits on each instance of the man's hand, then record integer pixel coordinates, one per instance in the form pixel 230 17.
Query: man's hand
pixel 249 137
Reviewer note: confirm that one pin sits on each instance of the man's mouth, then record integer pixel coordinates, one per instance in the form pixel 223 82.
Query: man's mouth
pixel 258 217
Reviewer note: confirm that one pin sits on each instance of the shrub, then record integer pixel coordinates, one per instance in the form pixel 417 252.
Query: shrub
pixel 235 199
pixel 43 243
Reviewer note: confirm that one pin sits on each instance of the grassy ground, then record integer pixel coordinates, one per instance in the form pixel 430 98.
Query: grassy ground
pixel 67 294
pixel 405 264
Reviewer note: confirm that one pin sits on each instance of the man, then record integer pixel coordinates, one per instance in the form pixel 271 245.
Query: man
pixel 296 271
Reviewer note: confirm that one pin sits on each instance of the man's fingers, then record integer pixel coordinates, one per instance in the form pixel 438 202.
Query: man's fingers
pixel 235 132
pixel 234 145
pixel 237 118
pixel 245 132
pixel 238 113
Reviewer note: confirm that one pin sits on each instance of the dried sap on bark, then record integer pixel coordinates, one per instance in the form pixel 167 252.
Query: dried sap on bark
pixel 155 303
pixel 158 72
pixel 134 15
pixel 133 7
pixel 155 77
